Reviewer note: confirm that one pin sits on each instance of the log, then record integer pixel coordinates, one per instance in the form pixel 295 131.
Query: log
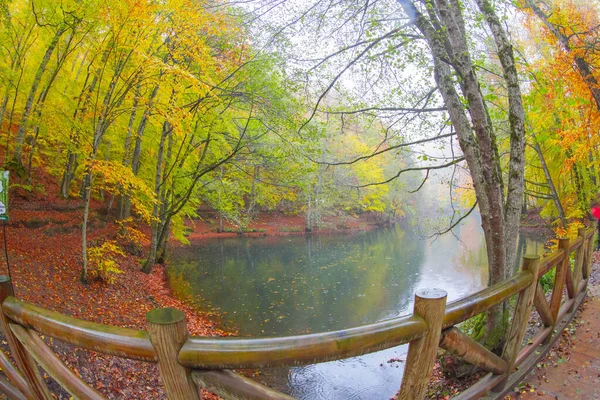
pixel 461 345
pixel 15 376
pixel 587 264
pixel 560 278
pixel 168 333
pixel 10 391
pixel 579 256
pixel 551 260
pixel 541 337
pixel 54 366
pixel 107 339
pixel 542 306
pixel 231 353
pixel 231 386
pixel 429 305
pixel 461 310
pixel 25 363
pixel 518 325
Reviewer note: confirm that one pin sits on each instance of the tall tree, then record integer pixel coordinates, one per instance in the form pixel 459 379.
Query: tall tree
pixel 382 43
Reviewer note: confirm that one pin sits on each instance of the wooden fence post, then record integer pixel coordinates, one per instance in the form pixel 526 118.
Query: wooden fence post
pixel 430 305
pixel 579 258
pixel 520 318
pixel 587 264
pixel 168 332
pixel 25 362
pixel 560 278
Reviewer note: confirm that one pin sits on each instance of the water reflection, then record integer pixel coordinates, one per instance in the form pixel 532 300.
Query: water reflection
pixel 292 285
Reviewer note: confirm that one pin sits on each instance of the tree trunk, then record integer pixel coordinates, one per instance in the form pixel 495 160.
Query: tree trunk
pixel 102 125
pixel 86 211
pixel 32 93
pixel 152 252
pixel 72 156
pixel 3 107
pixel 477 139
pixel 137 151
pixel 550 181
pixel 252 202
pixel 308 227
pixel 163 242
pixel 219 205
pixel 127 149
pixel 39 106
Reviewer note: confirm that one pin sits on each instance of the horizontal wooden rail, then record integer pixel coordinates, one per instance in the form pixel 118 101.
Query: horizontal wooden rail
pixel 461 310
pixel 107 339
pixel 215 357
pixel 575 244
pixel 549 261
pixel 230 353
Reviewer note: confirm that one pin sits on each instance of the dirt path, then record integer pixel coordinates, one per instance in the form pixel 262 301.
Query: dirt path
pixel 572 368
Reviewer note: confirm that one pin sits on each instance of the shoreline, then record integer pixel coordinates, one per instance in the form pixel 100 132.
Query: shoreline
pixel 44 244
pixel 278 224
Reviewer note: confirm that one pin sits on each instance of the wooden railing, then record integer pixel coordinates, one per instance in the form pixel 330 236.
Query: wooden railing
pixel 187 363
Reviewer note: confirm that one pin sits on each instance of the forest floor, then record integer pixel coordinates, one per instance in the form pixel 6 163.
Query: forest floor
pixel 44 249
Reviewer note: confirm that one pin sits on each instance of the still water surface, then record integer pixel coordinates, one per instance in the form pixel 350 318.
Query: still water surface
pixel 277 286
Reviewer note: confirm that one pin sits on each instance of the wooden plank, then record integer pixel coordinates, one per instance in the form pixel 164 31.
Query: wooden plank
pixel 579 256
pixel 10 391
pixel 534 356
pixel 542 307
pixel 479 389
pixel 570 283
pixel 520 318
pixel 560 278
pixel 107 339
pixel 565 309
pixel 168 332
pixel 231 353
pixel 587 265
pixel 429 305
pixel 25 363
pixel 53 365
pixel 229 385
pixel 461 310
pixel 461 345
pixel 549 261
pixel 542 337
pixel 15 376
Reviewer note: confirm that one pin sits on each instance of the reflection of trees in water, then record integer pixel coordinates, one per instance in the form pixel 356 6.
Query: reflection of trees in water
pixel 292 285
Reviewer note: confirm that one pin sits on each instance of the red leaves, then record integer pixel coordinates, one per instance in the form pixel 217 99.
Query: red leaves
pixel 44 245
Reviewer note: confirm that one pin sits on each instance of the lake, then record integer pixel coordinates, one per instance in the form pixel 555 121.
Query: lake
pixel 275 286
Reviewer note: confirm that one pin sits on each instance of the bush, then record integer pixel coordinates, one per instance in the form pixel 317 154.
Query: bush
pixel 102 263
pixel 291 229
pixel 130 238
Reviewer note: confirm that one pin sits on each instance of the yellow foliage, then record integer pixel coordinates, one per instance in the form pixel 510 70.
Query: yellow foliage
pixel 102 261
pixel 119 179
pixel 127 235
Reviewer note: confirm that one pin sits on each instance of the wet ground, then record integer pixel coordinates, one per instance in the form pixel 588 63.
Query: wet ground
pixel 572 368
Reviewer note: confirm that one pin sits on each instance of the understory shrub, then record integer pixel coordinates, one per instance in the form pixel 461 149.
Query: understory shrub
pixel 102 261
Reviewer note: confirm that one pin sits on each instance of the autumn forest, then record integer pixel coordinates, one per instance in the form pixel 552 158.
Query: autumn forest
pixel 134 121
